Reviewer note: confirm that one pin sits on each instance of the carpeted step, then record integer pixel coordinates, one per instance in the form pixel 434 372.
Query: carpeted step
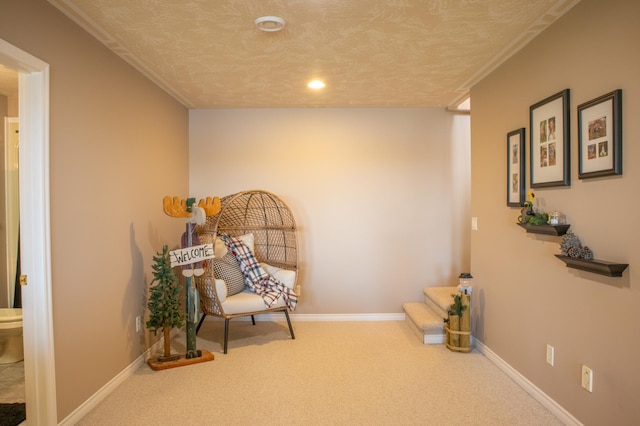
pixel 426 323
pixel 439 299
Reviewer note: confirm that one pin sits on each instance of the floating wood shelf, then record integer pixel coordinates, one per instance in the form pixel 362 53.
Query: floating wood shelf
pixel 557 230
pixel 596 266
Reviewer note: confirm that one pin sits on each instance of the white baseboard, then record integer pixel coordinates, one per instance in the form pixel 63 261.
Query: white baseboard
pixel 97 397
pixel 349 317
pixel 563 415
pixel 279 316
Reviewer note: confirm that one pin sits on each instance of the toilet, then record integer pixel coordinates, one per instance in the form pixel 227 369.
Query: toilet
pixel 11 349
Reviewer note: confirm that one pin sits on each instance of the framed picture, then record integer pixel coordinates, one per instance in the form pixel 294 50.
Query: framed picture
pixel 550 141
pixel 515 168
pixel 600 136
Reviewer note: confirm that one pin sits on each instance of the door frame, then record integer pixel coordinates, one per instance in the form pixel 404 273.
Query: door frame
pixel 35 235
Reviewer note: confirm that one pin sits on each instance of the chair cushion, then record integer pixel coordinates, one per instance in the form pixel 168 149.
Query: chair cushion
pixel 285 276
pixel 248 301
pixel 221 290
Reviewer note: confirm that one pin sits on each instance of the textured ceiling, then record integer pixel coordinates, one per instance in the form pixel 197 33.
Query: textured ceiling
pixel 370 53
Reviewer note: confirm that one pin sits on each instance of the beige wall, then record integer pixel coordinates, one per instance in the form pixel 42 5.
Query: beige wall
pixel 118 144
pixel 525 298
pixel 380 195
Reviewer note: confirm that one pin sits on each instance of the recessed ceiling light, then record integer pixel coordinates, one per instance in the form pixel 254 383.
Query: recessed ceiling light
pixel 316 84
pixel 270 23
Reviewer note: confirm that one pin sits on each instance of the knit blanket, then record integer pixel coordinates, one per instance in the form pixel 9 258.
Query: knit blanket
pixel 256 278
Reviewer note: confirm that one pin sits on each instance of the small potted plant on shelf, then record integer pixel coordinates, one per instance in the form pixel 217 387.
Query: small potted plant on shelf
pixel 528 216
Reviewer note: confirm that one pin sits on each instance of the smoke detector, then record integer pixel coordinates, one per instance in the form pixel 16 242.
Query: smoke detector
pixel 270 23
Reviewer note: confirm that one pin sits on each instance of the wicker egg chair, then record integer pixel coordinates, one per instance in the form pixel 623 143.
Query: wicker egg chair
pixel 271 222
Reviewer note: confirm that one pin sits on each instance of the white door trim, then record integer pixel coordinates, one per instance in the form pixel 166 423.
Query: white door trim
pixel 35 243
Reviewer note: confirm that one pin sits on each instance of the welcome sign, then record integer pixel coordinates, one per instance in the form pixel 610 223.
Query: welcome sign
pixel 189 255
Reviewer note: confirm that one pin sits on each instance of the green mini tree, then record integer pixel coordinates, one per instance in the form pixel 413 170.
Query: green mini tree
pixel 457 308
pixel 164 300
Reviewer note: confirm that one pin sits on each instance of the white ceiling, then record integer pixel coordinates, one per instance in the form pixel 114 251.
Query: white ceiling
pixel 370 53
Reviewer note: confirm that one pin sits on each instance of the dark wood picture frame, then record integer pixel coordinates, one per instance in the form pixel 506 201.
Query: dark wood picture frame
pixel 550 152
pixel 600 136
pixel 515 168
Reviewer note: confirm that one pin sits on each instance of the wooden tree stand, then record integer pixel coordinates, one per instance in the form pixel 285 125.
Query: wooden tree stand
pixel 178 360
pixel 458 331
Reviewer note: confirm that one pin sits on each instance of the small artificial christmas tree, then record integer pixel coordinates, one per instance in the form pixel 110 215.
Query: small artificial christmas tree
pixel 164 301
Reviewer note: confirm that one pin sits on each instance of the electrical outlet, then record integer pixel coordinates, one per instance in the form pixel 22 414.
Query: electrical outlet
pixel 587 378
pixel 138 323
pixel 474 223
pixel 550 355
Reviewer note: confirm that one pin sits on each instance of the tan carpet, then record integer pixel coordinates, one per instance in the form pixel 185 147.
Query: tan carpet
pixel 333 373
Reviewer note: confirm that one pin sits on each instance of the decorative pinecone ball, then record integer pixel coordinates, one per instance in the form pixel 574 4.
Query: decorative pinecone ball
pixel 587 254
pixel 569 240
pixel 574 251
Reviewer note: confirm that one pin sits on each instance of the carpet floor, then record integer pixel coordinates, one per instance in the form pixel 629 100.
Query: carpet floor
pixel 333 373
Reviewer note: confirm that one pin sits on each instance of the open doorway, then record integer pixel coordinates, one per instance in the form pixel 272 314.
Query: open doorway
pixel 10 233
pixel 39 363
pixel 12 384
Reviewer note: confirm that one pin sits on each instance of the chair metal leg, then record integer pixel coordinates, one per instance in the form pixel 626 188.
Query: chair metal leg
pixel 253 320
pixel 286 313
pixel 226 334
pixel 200 322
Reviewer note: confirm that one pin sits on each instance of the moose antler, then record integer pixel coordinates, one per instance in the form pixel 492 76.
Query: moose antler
pixel 211 206
pixel 178 208
pixel 175 207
